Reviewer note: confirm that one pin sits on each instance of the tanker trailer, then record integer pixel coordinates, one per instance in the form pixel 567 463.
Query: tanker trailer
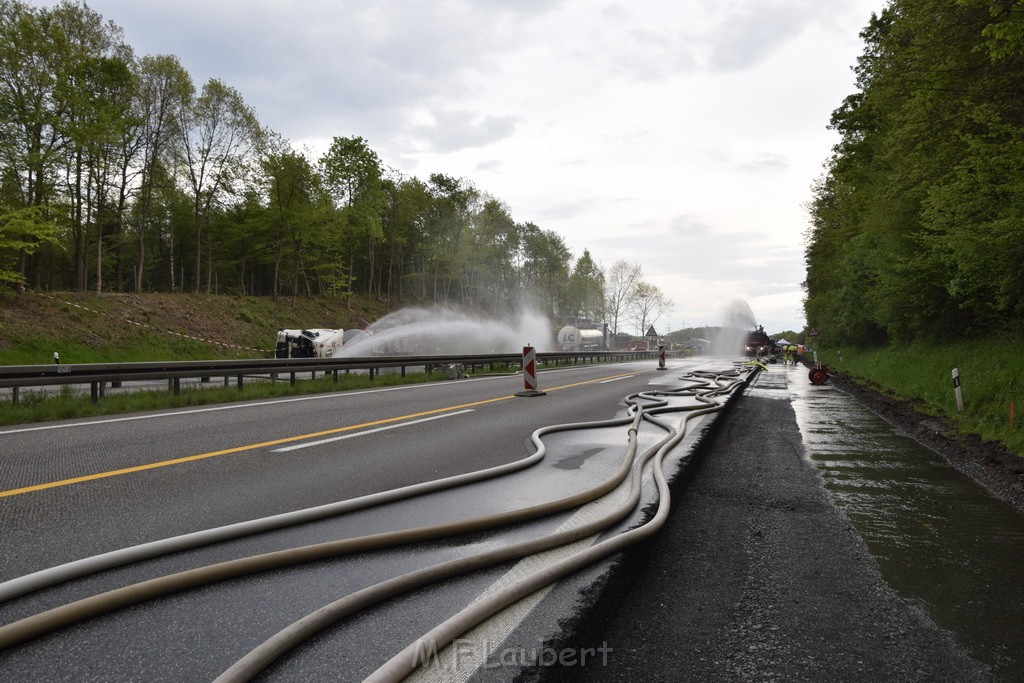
pixel 572 339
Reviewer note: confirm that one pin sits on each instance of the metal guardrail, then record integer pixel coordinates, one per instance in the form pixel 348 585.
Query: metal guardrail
pixel 99 375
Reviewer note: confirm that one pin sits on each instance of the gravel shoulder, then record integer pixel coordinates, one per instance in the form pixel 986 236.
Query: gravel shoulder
pixel 757 576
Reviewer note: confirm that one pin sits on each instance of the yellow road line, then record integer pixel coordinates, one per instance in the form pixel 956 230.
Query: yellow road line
pixel 275 442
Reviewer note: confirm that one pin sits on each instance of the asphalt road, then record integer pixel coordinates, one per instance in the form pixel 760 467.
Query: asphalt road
pixel 217 465
pixel 74 489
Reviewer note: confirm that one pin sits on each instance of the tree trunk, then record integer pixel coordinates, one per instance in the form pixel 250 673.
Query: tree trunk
pixel 198 278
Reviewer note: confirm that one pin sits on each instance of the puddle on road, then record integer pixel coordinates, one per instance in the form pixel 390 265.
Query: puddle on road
pixel 940 539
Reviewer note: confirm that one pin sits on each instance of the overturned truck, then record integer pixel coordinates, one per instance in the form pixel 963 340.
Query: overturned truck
pixel 314 343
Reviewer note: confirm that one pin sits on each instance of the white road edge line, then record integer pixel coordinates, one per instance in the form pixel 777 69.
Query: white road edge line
pixel 368 431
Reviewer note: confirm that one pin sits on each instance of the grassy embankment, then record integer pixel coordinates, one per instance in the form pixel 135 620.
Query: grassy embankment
pixel 123 328
pixel 84 328
pixel 991 379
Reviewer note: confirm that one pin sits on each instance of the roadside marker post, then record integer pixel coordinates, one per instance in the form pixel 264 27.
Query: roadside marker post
pixel 956 390
pixel 661 357
pixel 530 373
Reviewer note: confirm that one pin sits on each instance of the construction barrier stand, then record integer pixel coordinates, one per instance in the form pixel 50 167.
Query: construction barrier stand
pixel 530 373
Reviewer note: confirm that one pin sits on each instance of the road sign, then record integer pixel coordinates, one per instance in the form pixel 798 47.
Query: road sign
pixel 813 332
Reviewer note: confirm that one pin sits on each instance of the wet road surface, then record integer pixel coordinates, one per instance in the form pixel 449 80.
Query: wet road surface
pixel 939 538
pixel 812 542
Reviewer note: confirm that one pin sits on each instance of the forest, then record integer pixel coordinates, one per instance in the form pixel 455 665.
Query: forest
pixel 917 225
pixel 119 174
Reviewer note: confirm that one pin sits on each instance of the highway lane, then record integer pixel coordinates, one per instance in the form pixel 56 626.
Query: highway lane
pixel 252 480
pixel 409 434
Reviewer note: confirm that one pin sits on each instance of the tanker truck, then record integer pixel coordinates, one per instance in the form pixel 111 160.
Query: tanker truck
pixel 573 339
pixel 314 343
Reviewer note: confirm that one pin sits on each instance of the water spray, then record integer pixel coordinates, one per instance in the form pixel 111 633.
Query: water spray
pixel 420 331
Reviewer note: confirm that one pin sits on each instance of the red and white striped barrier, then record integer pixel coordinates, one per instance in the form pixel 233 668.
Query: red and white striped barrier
pixel 529 373
pixel 661 357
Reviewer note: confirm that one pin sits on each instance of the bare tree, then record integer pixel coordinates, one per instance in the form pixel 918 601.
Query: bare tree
pixel 620 290
pixel 649 303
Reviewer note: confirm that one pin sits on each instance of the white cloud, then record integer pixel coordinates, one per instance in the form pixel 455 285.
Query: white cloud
pixel 450 131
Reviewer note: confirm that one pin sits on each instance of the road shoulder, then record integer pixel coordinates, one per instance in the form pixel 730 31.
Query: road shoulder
pixel 756 575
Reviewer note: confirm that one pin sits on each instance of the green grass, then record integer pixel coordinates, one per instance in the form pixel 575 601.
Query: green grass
pixel 991 378
pixel 36 406
pixel 120 328
pixel 153 349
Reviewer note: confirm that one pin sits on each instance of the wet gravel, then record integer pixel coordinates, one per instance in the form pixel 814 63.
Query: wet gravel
pixel 758 576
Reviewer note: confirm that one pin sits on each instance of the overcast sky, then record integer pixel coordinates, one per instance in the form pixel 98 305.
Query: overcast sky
pixel 680 134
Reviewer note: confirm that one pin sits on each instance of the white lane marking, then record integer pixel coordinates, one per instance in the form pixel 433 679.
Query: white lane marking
pixel 234 406
pixel 368 431
pixel 615 379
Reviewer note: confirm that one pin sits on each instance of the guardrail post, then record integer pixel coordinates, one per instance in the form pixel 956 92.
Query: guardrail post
pixel 403 371
pixel 957 392
pixel 240 382
pixel 335 375
pixel 371 374
pixel 291 379
pixel 227 381
pixel 176 385
pixel 15 395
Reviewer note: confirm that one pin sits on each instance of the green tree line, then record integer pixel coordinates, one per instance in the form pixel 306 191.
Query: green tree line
pixel 917 226
pixel 118 174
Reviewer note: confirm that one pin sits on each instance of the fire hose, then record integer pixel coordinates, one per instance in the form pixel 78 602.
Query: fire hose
pixel 403 663
pixel 59 617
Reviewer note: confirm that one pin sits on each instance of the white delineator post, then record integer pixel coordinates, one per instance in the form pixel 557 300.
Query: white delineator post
pixel 529 373
pixel 956 390
pixel 661 357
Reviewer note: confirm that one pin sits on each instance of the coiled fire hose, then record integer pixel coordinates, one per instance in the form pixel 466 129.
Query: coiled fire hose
pixel 263 655
pixel 59 617
pixel 405 662
pixel 45 578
